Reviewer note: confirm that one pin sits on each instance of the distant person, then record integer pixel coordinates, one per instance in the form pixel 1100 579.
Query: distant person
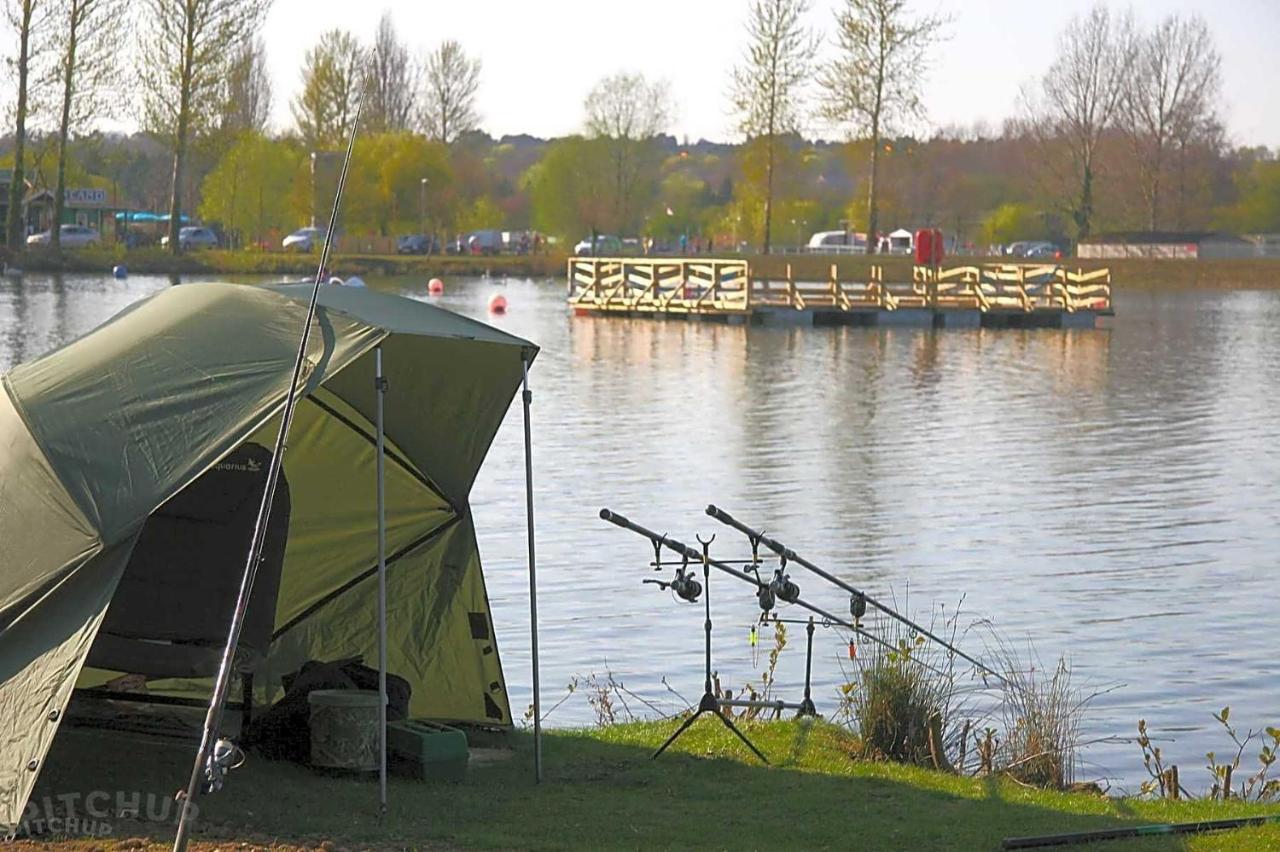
pixel 684 243
pixel 711 242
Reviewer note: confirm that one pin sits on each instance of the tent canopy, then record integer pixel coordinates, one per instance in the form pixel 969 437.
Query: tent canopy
pixel 121 452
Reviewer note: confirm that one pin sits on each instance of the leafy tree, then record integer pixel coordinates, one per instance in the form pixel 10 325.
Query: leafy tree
pixel 187 51
pixel 1077 103
pixel 874 81
pixel 87 44
pixel 392 81
pixel 28 20
pixel 331 78
pixel 259 186
pixel 247 94
pixel 451 80
pixel 1011 222
pixel 482 213
pixel 569 188
pixel 768 85
pixel 1168 99
pixel 1258 210
pixel 384 189
pixel 626 112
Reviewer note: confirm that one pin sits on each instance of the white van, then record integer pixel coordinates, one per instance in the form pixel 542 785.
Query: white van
pixel 835 242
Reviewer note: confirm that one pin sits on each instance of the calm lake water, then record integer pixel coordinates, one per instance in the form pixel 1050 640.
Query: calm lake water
pixel 1110 496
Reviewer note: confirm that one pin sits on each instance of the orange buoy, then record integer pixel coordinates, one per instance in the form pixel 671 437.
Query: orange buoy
pixel 435 287
pixel 498 304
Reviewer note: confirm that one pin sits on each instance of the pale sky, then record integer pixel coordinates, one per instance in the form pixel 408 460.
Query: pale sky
pixel 541 57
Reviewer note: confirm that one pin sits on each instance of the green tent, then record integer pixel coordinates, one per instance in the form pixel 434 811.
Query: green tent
pixel 128 461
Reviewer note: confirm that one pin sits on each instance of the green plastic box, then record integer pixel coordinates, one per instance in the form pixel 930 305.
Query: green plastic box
pixel 428 750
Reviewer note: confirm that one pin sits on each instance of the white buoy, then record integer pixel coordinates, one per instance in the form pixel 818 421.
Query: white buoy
pixel 354 281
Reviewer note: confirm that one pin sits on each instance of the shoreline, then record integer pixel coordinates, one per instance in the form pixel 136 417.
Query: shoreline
pixel 1127 273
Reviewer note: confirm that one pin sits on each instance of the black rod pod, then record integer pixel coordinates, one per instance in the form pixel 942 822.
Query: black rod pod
pixel 684 550
pixel 789 554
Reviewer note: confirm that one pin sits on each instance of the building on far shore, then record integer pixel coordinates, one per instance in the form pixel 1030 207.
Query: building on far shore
pixel 1165 245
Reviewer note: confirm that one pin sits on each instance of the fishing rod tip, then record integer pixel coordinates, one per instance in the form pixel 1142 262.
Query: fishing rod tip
pixel 605 515
pixel 712 510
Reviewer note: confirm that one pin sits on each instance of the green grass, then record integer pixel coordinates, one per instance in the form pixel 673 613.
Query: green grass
pixel 602 791
pixel 1126 274
pixel 159 261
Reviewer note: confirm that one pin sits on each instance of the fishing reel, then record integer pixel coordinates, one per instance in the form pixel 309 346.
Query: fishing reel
pixel 780 588
pixel 857 606
pixel 684 584
pixel 225 756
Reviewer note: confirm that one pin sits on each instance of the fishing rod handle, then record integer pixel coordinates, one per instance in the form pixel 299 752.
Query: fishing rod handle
pixel 671 543
pixel 729 520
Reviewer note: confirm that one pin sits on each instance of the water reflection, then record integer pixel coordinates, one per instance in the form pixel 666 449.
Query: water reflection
pixel 1110 494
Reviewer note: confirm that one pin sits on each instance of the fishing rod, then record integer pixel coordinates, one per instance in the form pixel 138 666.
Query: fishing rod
pixel 1079 837
pixel 860 598
pixel 659 541
pixel 215 755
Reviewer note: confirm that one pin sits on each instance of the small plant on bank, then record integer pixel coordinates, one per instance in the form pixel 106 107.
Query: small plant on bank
pixel 902 699
pixel 1256 787
pixel 765 691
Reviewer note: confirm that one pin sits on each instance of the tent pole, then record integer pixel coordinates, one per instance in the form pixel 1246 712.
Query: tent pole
pixel 380 383
pixel 533 576
pixel 211 764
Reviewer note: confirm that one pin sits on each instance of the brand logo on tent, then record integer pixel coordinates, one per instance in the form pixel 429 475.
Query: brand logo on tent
pixel 88 814
pixel 249 466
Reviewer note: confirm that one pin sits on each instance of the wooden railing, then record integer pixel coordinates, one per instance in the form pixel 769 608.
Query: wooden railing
pixel 644 285
pixel 647 285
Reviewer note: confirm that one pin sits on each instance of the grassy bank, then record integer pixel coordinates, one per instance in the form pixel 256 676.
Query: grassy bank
pixel 158 262
pixel 1249 274
pixel 603 792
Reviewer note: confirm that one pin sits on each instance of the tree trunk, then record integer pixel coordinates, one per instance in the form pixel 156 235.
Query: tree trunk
pixel 14 226
pixel 873 209
pixel 1084 215
pixel 180 138
pixel 768 195
pixel 68 80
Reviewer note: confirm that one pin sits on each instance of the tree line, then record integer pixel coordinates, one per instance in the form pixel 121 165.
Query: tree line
pixel 1120 132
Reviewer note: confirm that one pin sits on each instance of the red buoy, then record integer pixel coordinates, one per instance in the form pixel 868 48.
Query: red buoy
pixel 498 304
pixel 435 287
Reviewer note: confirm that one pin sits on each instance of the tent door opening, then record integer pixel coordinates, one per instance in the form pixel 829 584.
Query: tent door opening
pixel 170 612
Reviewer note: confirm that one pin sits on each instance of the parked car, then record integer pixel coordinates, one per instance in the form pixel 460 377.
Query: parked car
pixel 414 244
pixel 304 240
pixel 605 245
pixel 484 242
pixel 1032 248
pixel 72 236
pixel 193 238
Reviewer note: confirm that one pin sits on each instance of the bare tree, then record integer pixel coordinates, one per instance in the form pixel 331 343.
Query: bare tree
pixel 392 82
pixel 28 20
pixel 768 85
pixel 1079 97
pixel 449 104
pixel 626 111
pixel 874 81
pixel 332 74
pixel 247 95
pixel 186 55
pixel 1169 99
pixel 88 45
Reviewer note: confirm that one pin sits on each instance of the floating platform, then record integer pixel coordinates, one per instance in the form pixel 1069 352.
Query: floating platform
pixel 972 296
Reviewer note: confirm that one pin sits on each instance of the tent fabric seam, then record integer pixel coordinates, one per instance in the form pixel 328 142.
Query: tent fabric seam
pixel 335 594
